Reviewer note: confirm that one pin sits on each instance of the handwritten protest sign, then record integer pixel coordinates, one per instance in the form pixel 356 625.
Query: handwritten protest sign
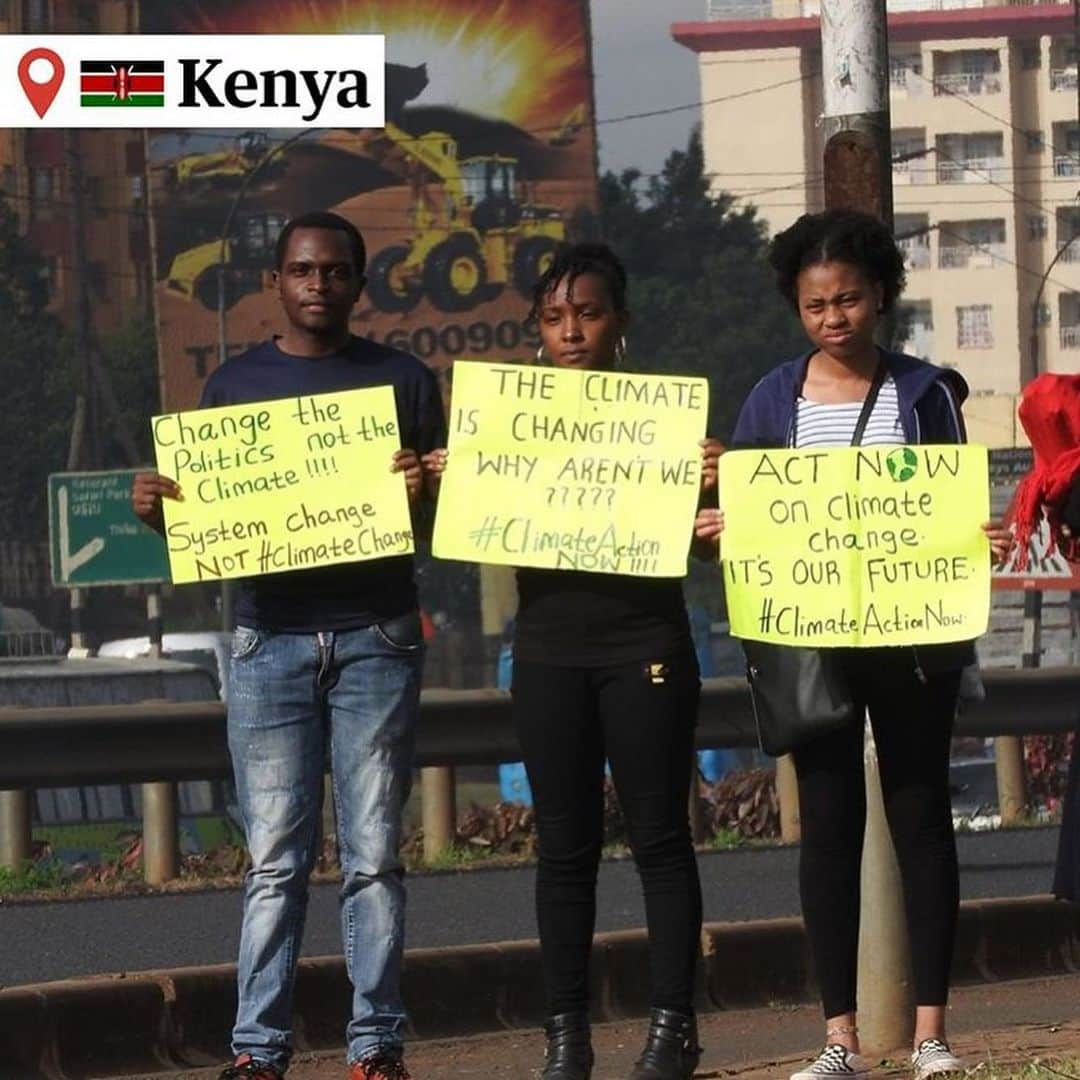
pixel 574 470
pixel 867 546
pixel 283 485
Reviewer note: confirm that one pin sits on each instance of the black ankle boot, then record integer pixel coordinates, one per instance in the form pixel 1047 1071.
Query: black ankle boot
pixel 671 1048
pixel 569 1054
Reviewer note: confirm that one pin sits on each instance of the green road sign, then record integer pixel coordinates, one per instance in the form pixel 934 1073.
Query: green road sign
pixel 95 538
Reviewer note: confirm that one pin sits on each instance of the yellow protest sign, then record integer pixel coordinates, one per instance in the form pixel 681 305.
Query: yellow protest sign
pixel 856 546
pixel 283 485
pixel 574 470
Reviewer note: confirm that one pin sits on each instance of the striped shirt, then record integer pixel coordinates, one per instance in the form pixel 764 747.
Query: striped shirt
pixel 821 425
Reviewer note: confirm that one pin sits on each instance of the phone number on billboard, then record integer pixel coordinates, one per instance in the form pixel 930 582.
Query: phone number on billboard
pixel 454 339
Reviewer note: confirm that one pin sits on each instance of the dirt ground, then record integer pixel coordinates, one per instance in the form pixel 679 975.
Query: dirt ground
pixel 1000 1027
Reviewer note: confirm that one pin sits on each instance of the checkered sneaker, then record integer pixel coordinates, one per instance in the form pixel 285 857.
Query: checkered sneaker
pixel 932 1057
pixel 835 1060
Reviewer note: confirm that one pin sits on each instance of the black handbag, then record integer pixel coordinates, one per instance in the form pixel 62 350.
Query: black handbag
pixel 799 694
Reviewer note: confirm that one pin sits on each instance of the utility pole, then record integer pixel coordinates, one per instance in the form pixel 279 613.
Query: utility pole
pixel 89 454
pixel 858 176
pixel 85 447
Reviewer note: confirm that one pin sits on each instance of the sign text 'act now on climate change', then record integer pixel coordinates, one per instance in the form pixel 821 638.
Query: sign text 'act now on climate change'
pixel 193 81
pixel 856 546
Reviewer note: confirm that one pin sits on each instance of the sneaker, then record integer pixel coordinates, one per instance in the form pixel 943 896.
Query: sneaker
pixel 379 1067
pixel 932 1057
pixel 835 1060
pixel 245 1067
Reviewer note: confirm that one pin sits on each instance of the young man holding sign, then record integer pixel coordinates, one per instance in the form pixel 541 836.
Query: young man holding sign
pixel 333 655
pixel 841 272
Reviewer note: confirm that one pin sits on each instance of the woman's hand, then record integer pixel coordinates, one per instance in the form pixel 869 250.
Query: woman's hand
pixel 708 525
pixel 406 461
pixel 434 465
pixel 1001 540
pixel 711 449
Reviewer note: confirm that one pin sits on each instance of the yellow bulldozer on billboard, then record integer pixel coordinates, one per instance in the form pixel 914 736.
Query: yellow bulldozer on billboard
pixel 249 249
pixel 473 234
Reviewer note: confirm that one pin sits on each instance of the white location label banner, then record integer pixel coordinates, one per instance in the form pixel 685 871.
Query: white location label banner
pixel 192 81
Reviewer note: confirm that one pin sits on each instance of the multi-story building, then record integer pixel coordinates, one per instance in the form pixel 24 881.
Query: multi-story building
pixel 36 173
pixel 986 151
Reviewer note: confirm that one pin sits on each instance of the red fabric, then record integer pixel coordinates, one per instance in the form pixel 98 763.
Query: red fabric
pixel 1050 414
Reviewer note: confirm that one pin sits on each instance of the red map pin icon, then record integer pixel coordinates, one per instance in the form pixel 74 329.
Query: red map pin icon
pixel 41 94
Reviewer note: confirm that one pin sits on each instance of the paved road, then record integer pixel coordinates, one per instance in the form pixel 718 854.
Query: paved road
pixel 45 941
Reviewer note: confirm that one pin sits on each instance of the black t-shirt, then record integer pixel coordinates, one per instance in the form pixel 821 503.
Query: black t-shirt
pixel 569 618
pixel 348 595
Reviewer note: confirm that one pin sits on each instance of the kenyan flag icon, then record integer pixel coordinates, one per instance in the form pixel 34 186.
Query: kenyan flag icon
pixel 122 83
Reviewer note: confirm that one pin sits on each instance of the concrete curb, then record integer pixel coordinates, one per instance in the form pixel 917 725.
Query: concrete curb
pixel 150 1022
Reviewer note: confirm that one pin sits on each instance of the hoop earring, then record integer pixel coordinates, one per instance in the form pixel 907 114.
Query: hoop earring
pixel 540 353
pixel 620 351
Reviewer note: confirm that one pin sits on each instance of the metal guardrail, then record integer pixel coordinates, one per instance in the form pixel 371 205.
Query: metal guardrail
pixel 157 743
pixel 167 741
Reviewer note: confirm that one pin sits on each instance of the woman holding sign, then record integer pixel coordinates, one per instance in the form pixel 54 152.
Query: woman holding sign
pixel 842 272
pixel 604 667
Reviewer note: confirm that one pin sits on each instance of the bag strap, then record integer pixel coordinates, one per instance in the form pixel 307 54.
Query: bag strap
pixel 864 415
pixel 868 404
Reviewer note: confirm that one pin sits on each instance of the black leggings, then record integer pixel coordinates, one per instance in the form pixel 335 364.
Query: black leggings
pixel 912 724
pixel 640 717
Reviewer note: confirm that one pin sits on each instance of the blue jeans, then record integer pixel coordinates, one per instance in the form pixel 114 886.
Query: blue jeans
pixel 290 695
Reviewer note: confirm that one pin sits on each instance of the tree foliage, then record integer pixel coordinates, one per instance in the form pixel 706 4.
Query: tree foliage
pixel 35 372
pixel 701 296
pixel 40 376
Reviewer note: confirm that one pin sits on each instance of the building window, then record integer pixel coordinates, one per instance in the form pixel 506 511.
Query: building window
pixel 915 328
pixel 905 71
pixel 86 17
pixel 1031 57
pixel 909 157
pixel 973 328
pixel 971 244
pixel 44 192
pixel 913 239
pixel 1063 57
pixel 1067 149
pixel 740 9
pixel 970 71
pixel 1069 320
pixel 970 159
pixel 50 276
pixel 1036 226
pixel 1035 142
pixel 94 193
pixel 97 277
pixel 36 16
pixel 1068 233
pixel 144 284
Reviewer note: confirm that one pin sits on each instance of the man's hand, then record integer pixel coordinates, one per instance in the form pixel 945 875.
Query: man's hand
pixel 406 461
pixel 147 491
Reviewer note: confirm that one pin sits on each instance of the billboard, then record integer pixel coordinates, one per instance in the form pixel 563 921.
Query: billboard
pixel 486 163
